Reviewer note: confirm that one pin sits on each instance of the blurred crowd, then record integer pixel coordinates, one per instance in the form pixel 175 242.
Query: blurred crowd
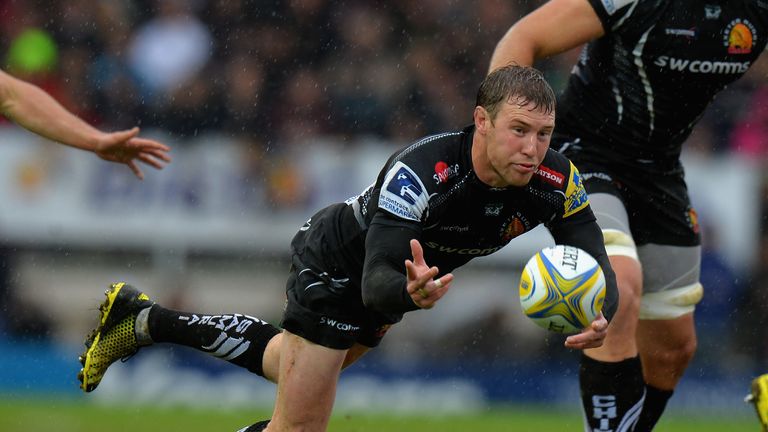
pixel 273 72
pixel 277 74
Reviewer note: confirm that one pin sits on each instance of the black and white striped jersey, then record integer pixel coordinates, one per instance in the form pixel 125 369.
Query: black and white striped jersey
pixel 636 93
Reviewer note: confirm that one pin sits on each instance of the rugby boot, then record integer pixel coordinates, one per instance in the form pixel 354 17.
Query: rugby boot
pixel 759 397
pixel 116 336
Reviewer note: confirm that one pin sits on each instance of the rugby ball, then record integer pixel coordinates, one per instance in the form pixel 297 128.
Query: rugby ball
pixel 562 289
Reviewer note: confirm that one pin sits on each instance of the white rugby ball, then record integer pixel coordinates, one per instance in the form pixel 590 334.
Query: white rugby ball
pixel 562 289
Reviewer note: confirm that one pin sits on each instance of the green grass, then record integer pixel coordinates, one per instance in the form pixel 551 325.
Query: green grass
pixel 32 415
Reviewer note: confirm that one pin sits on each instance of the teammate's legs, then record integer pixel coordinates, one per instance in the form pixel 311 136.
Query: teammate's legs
pixel 666 347
pixel 666 335
pixel 617 345
pixel 610 376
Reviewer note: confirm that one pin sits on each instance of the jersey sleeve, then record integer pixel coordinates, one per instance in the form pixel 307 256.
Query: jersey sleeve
pixel 583 232
pixel 576 197
pixel 578 227
pixel 387 246
pixel 403 205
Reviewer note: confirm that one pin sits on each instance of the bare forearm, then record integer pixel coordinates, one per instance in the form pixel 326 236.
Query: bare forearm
pixel 511 49
pixel 555 27
pixel 35 110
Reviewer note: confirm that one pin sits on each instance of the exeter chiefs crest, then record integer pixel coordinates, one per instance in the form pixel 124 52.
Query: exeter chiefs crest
pixel 739 36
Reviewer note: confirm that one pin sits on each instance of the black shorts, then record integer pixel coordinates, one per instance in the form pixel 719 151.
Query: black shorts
pixel 324 305
pixel 658 206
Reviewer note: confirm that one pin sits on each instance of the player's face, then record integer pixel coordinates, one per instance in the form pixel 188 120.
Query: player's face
pixel 516 142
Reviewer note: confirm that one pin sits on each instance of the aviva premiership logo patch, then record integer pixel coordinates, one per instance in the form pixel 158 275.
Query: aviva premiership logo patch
pixel 575 195
pixel 403 194
pixel 611 6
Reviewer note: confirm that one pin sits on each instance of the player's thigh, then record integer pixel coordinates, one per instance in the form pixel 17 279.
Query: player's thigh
pixel 667 276
pixel 307 385
pixel 671 287
pixel 612 217
pixel 354 353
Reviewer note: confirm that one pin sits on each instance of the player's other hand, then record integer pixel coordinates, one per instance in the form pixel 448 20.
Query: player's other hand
pixel 126 147
pixel 591 337
pixel 424 289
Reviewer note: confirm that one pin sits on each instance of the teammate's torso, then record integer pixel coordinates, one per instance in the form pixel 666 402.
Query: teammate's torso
pixel 636 93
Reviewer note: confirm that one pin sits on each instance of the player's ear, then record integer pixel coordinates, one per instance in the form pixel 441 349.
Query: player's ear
pixel 482 119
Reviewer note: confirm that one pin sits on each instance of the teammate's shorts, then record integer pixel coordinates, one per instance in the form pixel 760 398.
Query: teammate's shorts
pixel 323 305
pixel 650 219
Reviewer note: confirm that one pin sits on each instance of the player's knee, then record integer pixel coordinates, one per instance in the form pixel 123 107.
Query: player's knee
pixel 674 356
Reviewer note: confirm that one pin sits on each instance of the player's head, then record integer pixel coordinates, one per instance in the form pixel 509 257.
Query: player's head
pixel 515 84
pixel 514 120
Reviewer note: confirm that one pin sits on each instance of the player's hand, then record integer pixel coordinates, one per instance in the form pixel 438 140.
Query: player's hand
pixel 424 289
pixel 126 147
pixel 591 337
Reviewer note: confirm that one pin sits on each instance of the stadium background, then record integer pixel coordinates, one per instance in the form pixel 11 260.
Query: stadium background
pixel 274 109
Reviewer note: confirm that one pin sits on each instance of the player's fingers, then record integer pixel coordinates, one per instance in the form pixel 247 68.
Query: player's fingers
pixel 427 276
pixel 159 154
pixel 417 252
pixel 150 161
pixel 586 339
pixel 122 136
pixel 433 289
pixel 136 171
pixel 442 284
pixel 148 144
pixel 600 323
pixel 410 270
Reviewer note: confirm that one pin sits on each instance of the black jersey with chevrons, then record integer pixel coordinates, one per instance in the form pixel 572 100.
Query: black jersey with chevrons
pixel 429 191
pixel 432 188
pixel 636 93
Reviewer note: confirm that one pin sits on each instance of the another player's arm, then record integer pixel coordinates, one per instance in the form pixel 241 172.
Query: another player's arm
pixel 35 110
pixel 555 27
pixel 395 277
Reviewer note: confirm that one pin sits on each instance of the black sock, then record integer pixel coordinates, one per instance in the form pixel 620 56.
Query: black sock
pixel 612 393
pixel 256 427
pixel 239 339
pixel 653 407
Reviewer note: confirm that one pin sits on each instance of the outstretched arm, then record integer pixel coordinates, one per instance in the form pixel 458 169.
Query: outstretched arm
pixel 35 110
pixel 555 27
pixel 424 287
pixel 396 278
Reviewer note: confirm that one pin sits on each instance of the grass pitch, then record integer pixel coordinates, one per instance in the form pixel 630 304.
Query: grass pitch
pixel 64 415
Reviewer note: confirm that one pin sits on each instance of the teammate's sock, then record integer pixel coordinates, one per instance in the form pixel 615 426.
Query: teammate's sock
pixel 256 427
pixel 612 393
pixel 653 407
pixel 239 339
